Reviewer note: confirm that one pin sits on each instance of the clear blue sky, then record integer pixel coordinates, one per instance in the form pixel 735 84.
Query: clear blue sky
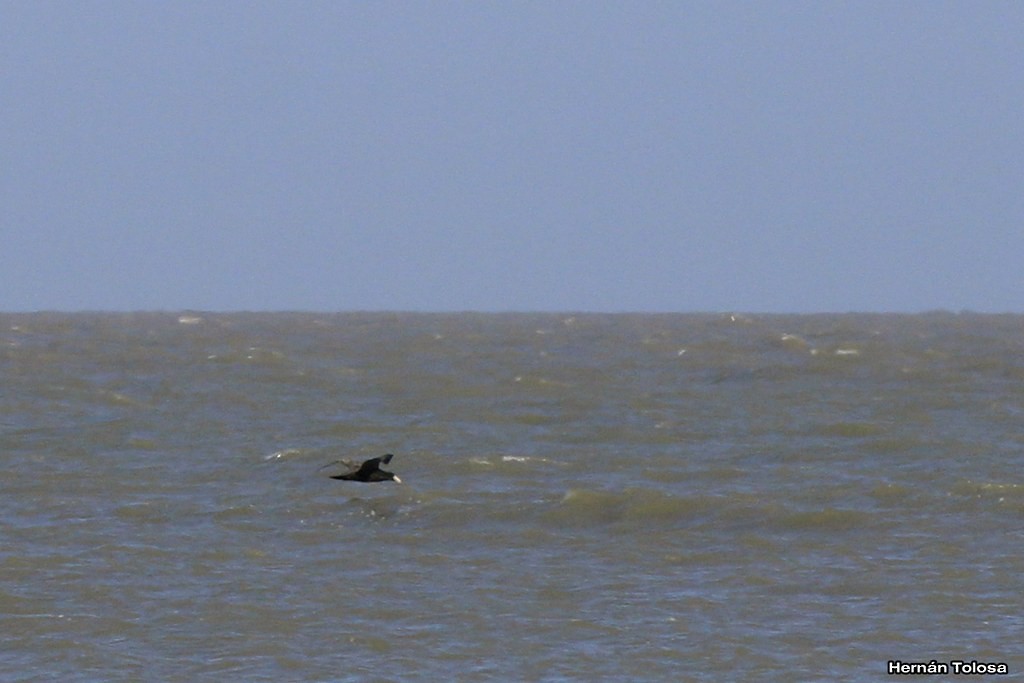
pixel 531 156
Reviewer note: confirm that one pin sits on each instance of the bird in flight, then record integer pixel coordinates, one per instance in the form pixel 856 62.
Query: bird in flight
pixel 369 471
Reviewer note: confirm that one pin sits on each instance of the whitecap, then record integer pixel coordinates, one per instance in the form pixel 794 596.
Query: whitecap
pixel 524 458
pixel 283 454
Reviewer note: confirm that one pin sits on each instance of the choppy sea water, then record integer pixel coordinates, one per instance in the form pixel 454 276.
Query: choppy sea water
pixel 585 498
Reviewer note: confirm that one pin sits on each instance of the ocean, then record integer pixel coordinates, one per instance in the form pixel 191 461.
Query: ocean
pixel 585 497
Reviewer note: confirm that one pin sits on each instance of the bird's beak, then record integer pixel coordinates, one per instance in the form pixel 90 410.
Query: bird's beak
pixel 397 480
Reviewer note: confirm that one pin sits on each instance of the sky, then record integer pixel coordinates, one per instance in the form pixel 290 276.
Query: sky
pixel 775 157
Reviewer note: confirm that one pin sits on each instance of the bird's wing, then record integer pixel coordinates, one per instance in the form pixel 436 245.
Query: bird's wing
pixel 344 461
pixel 370 465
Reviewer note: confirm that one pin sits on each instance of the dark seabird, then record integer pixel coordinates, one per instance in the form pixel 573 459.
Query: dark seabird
pixel 369 471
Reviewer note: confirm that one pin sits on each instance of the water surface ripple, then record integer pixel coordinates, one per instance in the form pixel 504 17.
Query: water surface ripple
pixel 587 497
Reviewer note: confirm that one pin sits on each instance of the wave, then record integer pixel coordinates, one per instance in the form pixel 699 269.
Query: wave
pixel 642 507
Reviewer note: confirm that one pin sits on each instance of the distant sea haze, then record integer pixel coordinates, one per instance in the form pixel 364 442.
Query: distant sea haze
pixel 587 497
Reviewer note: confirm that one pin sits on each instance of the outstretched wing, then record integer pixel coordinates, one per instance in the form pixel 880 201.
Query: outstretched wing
pixel 344 461
pixel 373 464
pixel 363 472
